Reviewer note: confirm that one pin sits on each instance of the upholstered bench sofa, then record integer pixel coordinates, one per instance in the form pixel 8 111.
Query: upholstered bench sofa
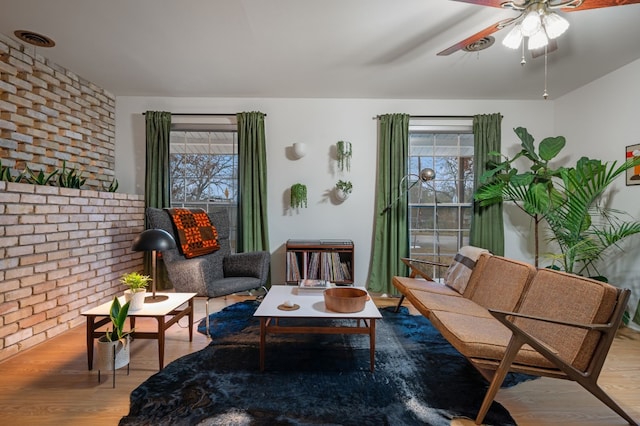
pixel 512 317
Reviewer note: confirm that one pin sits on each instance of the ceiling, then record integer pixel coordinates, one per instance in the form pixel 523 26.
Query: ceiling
pixel 314 49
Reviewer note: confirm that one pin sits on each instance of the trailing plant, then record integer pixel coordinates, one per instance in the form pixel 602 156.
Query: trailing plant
pixel 118 314
pixel 344 155
pixel 39 178
pixel 70 178
pixel 5 174
pixel 568 199
pixel 135 281
pixel 298 195
pixel 344 186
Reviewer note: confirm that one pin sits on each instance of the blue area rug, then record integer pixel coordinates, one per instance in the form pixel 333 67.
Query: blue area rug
pixel 419 379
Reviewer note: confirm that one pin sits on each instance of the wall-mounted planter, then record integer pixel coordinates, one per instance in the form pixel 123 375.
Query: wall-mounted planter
pixel 343 190
pixel 298 195
pixel 344 153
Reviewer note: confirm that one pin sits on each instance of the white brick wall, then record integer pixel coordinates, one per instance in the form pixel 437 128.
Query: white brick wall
pixel 62 251
pixel 49 115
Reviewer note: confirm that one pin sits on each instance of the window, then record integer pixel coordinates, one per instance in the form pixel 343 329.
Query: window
pixel 440 210
pixel 203 163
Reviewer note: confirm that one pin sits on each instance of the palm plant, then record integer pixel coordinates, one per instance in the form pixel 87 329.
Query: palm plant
pixel 569 200
pixel 582 226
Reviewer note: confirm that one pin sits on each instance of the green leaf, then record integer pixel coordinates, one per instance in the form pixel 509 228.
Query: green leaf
pixel 527 143
pixel 550 147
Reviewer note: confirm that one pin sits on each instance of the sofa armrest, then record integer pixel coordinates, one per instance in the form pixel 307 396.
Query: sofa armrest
pixel 250 264
pixel 415 270
pixel 502 317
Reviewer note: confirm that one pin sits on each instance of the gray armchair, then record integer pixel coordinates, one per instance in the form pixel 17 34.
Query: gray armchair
pixel 216 274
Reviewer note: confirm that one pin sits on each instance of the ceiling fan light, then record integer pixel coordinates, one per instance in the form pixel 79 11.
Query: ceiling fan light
pixel 531 23
pixel 554 24
pixel 538 40
pixel 513 38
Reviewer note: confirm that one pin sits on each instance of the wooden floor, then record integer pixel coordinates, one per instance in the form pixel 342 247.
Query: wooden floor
pixel 50 384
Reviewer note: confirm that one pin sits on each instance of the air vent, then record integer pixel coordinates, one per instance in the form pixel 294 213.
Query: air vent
pixel 34 38
pixel 479 45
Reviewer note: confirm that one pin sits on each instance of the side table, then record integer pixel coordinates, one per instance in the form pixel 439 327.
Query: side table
pixel 159 310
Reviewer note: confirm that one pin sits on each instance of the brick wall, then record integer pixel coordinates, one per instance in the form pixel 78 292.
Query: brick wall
pixel 61 251
pixel 49 115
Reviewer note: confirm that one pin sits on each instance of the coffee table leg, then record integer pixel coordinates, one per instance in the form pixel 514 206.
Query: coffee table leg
pixel 372 343
pixel 263 335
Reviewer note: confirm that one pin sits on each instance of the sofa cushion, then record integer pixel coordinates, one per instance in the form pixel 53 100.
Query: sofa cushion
pixel 442 302
pixel 405 284
pixel 484 338
pixel 502 283
pixel 571 298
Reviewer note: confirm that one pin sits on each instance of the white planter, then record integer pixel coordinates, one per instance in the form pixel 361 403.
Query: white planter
pixel 299 149
pixel 136 298
pixel 341 195
pixel 105 354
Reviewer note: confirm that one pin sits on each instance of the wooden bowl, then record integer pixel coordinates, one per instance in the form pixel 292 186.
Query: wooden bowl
pixel 345 299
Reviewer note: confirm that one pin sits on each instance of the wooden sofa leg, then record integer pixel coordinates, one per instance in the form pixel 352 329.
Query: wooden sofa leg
pixel 512 350
pixel 399 303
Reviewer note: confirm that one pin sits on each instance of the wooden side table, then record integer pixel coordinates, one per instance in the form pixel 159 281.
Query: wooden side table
pixel 99 316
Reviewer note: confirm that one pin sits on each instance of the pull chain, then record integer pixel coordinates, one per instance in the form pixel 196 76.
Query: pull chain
pixel 545 95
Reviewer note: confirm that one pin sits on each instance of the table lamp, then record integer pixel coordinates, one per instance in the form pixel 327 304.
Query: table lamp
pixel 153 240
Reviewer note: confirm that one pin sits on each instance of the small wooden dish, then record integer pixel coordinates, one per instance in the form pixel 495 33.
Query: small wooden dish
pixel 345 299
pixel 284 307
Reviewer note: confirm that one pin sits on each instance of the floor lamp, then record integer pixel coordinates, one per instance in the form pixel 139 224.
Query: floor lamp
pixel 154 240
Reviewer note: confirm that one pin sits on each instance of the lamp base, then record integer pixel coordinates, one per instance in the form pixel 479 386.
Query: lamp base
pixel 155 299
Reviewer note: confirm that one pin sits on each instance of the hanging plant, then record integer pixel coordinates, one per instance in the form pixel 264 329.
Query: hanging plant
pixel 298 195
pixel 344 186
pixel 344 155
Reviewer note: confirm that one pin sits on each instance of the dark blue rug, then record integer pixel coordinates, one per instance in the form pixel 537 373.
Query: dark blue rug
pixel 419 379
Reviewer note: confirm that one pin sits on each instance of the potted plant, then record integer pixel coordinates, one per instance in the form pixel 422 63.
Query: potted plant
pixel 137 284
pixel 298 195
pixel 568 199
pixel 343 189
pixel 113 348
pixel 344 155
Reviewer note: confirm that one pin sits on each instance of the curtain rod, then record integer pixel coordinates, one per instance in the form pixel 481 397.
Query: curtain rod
pixel 201 114
pixel 439 117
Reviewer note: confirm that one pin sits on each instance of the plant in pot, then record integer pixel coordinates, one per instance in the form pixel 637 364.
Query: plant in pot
pixel 344 152
pixel 343 189
pixel 298 195
pixel 137 284
pixel 113 348
pixel 570 201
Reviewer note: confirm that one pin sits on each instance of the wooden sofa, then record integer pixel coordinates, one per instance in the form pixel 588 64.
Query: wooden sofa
pixel 512 317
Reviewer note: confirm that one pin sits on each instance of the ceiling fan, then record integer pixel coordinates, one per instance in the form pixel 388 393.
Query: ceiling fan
pixel 537 20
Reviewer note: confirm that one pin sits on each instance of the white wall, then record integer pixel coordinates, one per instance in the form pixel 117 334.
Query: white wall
pixel 320 123
pixel 599 121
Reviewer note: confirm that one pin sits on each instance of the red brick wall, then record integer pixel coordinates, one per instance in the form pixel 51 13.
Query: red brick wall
pixel 62 251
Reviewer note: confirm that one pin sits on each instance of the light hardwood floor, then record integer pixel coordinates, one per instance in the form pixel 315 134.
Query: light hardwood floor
pixel 50 384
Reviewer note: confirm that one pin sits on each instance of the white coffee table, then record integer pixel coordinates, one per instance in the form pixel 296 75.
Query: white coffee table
pixel 158 310
pixel 311 305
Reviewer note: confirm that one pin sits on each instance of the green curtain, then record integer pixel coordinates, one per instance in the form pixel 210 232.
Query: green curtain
pixel 157 186
pixel 253 232
pixel 391 232
pixel 487 227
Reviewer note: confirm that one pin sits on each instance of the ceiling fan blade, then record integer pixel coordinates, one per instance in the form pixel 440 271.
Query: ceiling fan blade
pixel 492 3
pixel 597 4
pixel 477 36
pixel 553 45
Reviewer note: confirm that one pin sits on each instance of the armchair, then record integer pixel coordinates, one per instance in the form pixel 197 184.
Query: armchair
pixel 216 274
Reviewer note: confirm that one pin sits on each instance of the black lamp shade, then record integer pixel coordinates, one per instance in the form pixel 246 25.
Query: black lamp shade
pixel 153 239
